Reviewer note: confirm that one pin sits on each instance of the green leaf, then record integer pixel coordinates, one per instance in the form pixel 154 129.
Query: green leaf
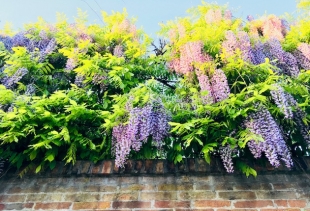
pixel 52 165
pixel 50 158
pixel 38 169
pixel 33 154
pixel 207 157
pixel 247 170
pixel 72 102
pixel 178 158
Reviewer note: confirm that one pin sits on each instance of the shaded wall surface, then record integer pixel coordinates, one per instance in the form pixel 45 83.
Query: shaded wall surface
pixel 157 186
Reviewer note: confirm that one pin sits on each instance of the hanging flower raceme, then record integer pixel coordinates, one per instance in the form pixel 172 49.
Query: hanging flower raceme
pixel 151 120
pixel 285 61
pixel 274 28
pixel 240 42
pixel 220 88
pixel 258 56
pixel 51 46
pixel 262 123
pixel 118 51
pixel 281 99
pixel 302 55
pixel 190 54
pixel 213 16
pixel 298 116
pixel 10 81
pixel 205 86
pixel 71 64
pixel 79 80
pixel 30 89
pixel 125 27
pixel 226 156
pixel 101 80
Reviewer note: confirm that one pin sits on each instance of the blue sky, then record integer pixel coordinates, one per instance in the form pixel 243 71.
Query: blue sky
pixel 148 12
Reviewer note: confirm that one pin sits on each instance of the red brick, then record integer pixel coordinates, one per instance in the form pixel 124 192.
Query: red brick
pixel 191 165
pixel 194 195
pixel 280 203
pixel 146 196
pixel 32 189
pixel 276 194
pixel 1 206
pixel 126 196
pixel 137 187
pixel 107 167
pixel 91 205
pixel 284 209
pixel 170 167
pixel 284 186
pixel 129 166
pixel 82 197
pixel 152 210
pixel 97 168
pixel 232 195
pixel 201 165
pixel 28 205
pixel 85 167
pixel 14 206
pixel 138 166
pixel 193 210
pixel 12 198
pixel 131 204
pixel 252 204
pixel 212 203
pixel 149 166
pixel 173 187
pixel 297 203
pixel 237 209
pixel 159 168
pixel 58 205
pixel 172 204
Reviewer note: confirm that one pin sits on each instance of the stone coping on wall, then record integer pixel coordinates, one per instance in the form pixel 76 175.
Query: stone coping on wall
pixel 189 166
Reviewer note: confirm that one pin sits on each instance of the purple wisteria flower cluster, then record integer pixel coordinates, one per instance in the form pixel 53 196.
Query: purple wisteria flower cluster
pixel 205 86
pixel 190 53
pixel 285 62
pixel 298 116
pixel 217 87
pixel 216 15
pixel 226 156
pixel 240 41
pixel 101 80
pixel 302 54
pixel 79 80
pixel 282 100
pixel 43 43
pixel 30 90
pixel 274 147
pixel 220 88
pixel 10 81
pixel 118 51
pixel 151 120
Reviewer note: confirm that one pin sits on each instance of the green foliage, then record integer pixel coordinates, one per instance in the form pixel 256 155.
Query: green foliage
pixel 76 91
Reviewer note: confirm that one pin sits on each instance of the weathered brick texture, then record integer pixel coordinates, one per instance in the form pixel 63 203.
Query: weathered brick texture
pixel 156 185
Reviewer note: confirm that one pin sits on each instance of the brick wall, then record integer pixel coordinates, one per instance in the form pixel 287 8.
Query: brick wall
pixel 157 186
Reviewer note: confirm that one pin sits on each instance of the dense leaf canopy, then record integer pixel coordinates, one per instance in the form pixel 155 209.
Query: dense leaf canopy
pixel 214 85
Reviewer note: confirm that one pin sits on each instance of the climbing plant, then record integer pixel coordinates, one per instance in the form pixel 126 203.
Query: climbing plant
pixel 213 85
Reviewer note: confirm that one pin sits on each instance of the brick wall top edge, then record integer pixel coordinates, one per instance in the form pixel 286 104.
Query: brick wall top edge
pixel 159 167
